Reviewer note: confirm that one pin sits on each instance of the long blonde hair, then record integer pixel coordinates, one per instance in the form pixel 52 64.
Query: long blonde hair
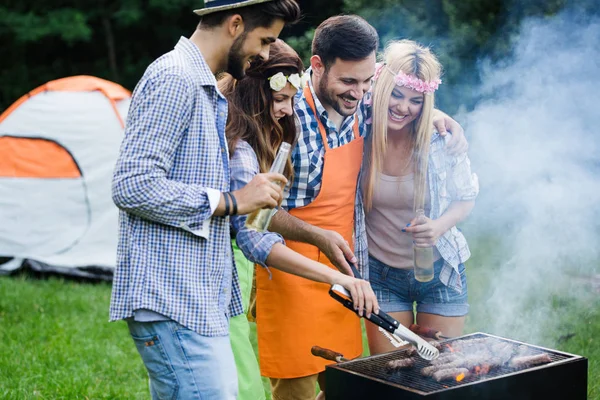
pixel 416 60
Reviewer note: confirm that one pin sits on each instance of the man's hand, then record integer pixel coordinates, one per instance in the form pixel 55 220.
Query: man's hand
pixel 263 191
pixel 458 143
pixel 425 232
pixel 362 294
pixel 336 249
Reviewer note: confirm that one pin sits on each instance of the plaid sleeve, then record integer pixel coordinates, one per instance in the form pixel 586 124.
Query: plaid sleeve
pixel 462 183
pixel 158 118
pixel 256 246
pixel 361 250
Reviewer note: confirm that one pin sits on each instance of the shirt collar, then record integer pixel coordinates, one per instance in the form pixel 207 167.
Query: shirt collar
pixel 193 53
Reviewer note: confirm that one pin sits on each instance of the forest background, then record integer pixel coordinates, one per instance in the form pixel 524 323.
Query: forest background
pixel 116 40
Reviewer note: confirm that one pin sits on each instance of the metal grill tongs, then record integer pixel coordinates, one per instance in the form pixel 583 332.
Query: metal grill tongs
pixel 396 330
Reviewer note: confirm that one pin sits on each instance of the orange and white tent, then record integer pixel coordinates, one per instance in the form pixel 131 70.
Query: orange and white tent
pixel 58 148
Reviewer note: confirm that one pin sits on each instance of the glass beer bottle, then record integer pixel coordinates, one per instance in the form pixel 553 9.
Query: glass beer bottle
pixel 259 220
pixel 423 257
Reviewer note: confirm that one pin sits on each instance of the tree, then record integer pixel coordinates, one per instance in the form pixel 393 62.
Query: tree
pixel 115 40
pixel 461 33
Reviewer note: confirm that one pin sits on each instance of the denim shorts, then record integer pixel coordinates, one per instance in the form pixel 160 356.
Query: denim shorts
pixel 183 364
pixel 397 290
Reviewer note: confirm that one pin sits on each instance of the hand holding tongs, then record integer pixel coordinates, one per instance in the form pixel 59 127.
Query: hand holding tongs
pixel 385 321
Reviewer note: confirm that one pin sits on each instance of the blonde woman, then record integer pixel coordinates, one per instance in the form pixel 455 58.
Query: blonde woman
pixel 408 168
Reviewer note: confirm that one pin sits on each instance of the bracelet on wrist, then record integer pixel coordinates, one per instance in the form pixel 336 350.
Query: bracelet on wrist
pixel 234 204
pixel 226 203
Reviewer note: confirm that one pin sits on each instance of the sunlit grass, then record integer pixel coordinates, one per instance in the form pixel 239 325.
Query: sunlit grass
pixel 57 342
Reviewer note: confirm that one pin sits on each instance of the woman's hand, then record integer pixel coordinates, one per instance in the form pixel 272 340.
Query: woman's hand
pixel 362 294
pixel 425 231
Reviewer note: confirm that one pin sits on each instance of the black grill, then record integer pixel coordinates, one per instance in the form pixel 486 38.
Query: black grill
pixel 368 378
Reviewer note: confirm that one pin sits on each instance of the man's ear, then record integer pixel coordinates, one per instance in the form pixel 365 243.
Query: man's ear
pixel 235 25
pixel 317 66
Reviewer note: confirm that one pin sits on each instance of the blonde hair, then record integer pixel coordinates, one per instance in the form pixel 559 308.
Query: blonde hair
pixel 416 60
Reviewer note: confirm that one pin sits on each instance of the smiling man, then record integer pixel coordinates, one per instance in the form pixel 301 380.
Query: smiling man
pixel 325 218
pixel 175 284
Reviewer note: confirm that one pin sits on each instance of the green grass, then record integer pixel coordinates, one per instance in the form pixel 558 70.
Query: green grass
pixel 559 310
pixel 57 342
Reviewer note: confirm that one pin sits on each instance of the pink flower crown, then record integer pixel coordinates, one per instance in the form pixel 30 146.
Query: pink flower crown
pixel 409 81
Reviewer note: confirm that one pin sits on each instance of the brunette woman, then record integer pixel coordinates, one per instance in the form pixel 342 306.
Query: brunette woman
pixel 261 117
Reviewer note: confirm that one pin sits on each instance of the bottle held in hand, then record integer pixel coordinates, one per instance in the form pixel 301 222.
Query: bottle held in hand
pixel 423 257
pixel 259 220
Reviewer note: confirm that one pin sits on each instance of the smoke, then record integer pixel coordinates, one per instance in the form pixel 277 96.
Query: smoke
pixel 535 147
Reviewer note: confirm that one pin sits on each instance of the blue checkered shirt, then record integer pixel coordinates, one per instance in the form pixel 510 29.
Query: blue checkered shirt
pixel 256 246
pixel 450 179
pixel 174 258
pixel 308 158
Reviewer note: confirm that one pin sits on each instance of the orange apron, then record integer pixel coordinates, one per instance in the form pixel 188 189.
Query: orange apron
pixel 292 313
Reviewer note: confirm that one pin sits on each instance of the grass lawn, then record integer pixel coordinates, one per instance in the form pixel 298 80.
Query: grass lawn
pixel 57 343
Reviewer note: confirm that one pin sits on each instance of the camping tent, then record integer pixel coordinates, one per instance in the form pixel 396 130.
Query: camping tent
pixel 58 147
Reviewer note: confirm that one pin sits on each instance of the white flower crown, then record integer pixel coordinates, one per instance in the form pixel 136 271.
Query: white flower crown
pixel 279 80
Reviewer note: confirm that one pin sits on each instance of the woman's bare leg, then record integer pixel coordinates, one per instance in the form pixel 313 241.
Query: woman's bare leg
pixel 449 326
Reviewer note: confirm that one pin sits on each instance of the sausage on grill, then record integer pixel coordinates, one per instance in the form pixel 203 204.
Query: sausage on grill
pixel 530 361
pixel 401 363
pixel 449 374
pixel 436 344
pixel 428 371
pixel 411 352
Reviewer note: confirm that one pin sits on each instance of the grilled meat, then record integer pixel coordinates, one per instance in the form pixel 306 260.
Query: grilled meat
pixel 401 363
pixel 530 361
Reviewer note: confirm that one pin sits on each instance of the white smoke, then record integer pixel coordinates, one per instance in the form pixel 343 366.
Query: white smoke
pixel 535 145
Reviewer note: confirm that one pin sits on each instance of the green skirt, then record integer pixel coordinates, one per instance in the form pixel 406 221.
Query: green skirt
pixel 243 338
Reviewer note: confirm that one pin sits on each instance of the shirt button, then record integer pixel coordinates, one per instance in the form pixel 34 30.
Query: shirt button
pixel 221 114
pixel 222 150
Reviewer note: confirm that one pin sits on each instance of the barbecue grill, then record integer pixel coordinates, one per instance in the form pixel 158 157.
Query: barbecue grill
pixel 564 378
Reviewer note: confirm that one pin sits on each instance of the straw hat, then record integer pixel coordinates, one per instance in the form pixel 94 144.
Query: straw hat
pixel 211 6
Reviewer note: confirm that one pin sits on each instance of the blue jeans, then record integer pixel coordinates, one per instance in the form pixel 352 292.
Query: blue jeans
pixel 183 364
pixel 397 289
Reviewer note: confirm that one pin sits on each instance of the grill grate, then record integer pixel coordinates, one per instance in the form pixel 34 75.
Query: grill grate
pixel 375 367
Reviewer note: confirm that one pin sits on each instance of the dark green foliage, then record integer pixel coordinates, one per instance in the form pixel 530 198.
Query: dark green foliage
pixel 109 39
pixel 116 40
pixel 460 33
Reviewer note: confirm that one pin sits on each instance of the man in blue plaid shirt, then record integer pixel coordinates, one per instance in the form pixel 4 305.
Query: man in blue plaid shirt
pixel 175 283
